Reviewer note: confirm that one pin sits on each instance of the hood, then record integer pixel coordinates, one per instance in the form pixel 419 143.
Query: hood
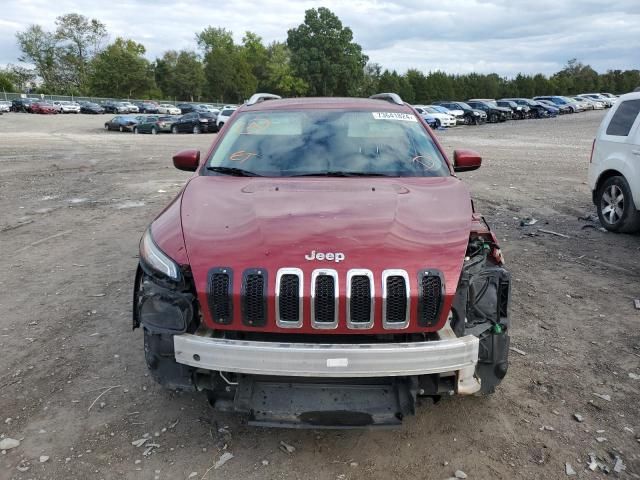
pixel 503 109
pixel 377 224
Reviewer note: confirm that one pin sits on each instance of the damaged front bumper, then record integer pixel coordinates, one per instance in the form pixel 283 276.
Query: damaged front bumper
pixel 448 355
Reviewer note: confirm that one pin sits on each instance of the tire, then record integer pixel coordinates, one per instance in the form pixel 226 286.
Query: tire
pixel 154 131
pixel 467 120
pixel 174 130
pixel 106 127
pixel 437 123
pixel 493 118
pixel 135 130
pixel 196 129
pixel 616 209
pixel 121 128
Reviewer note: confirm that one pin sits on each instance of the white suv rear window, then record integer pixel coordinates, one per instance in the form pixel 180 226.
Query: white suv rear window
pixel 622 121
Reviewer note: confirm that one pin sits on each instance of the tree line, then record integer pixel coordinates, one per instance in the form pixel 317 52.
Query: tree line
pixel 318 58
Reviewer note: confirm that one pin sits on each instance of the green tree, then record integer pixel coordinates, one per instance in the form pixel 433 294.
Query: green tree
pixel 180 75
pixel 280 78
pixel 122 71
pixel 38 47
pixel 324 55
pixel 257 56
pixel 79 39
pixel 7 81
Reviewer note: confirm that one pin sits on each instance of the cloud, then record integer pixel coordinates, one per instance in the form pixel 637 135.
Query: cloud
pixel 502 36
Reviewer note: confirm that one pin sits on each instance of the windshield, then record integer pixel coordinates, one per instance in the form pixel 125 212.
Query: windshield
pixel 325 142
pixel 464 105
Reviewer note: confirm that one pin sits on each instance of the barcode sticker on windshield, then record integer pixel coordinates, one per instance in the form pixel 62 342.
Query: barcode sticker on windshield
pixel 405 117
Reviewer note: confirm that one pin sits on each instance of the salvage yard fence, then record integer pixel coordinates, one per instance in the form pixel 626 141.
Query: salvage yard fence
pixel 72 98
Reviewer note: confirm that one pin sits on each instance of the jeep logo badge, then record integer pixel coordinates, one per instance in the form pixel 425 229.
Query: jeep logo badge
pixel 330 256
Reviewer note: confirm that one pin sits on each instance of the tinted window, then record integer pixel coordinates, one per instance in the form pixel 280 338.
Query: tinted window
pixel 317 142
pixel 623 119
pixel 227 113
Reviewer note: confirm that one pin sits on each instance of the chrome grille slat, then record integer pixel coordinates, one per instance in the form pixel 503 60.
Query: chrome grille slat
pixel 360 299
pixel 289 297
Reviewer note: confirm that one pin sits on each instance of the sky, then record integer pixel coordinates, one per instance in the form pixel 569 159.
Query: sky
pixel 484 36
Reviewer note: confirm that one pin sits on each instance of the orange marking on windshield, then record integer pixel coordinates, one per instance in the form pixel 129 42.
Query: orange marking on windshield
pixel 257 126
pixel 241 156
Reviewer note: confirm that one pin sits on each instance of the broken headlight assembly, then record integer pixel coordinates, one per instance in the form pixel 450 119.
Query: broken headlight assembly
pixel 163 299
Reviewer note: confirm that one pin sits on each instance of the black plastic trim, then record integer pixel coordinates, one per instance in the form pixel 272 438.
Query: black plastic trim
pixel 220 270
pixel 260 322
pixel 430 272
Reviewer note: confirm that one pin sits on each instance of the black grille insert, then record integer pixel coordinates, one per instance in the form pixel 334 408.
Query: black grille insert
pixel 325 301
pixel 220 295
pixel 254 298
pixel 289 298
pixel 360 303
pixel 431 292
pixel 396 311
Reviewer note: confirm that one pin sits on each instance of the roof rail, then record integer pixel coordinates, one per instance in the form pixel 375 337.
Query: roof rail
pixel 261 97
pixel 389 97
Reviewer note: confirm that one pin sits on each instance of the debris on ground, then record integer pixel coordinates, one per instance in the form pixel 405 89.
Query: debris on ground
pixel 547 427
pixel 224 458
pixel 43 458
pixel 193 474
pixel 603 397
pixel 517 350
pixel 525 222
pixel 618 465
pixel 551 232
pixel 636 303
pixel 8 443
pixel 460 474
pixel 634 376
pixel 601 439
pixel 140 442
pixel 286 448
pixel 578 417
pixel 593 465
pixel 568 469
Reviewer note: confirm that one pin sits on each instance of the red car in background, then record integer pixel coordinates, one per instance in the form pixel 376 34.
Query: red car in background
pixel 43 107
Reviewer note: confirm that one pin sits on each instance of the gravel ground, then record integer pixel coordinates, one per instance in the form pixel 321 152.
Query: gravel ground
pixel 75 200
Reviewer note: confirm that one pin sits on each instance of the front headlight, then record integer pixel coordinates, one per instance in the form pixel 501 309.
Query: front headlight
pixel 156 259
pixel 476 113
pixel 519 108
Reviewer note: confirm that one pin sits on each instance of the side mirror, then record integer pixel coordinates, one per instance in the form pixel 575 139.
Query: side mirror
pixel 466 160
pixel 187 160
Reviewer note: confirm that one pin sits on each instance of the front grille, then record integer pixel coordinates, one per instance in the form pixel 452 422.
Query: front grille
pixel 430 298
pixel 289 298
pixel 396 306
pixel 220 295
pixel 254 299
pixel 360 298
pixel 324 305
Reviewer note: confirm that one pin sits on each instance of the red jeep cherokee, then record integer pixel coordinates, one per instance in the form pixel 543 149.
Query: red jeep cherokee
pixel 324 266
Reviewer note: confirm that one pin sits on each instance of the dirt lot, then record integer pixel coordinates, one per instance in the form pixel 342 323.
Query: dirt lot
pixel 75 200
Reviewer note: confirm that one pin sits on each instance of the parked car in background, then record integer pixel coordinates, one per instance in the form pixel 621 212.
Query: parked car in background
pixel 91 108
pixel 586 105
pixel 44 108
pixel 438 118
pixel 154 124
pixel 471 115
pixel 608 102
pixel 65 106
pixel 209 108
pixel 614 168
pixel 224 115
pixel 111 106
pixel 131 108
pixel 595 104
pixel 147 107
pixel 458 114
pixel 191 107
pixel 535 109
pixel 22 104
pixel 519 112
pixel 195 122
pixel 610 96
pixel 563 108
pixel 123 123
pixel 167 108
pixel 494 113
pixel 561 101
pixel 5 106
pixel 548 109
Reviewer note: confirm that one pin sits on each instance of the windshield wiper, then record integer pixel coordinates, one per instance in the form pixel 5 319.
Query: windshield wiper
pixel 236 172
pixel 341 174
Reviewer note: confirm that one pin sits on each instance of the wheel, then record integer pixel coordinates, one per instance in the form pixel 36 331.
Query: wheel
pixel 135 130
pixel 616 209
pixel 121 128
pixel 174 129
pixel 106 126
pixel 196 129
pixel 220 125
pixel 467 120
pixel 437 123
pixel 153 131
pixel 493 118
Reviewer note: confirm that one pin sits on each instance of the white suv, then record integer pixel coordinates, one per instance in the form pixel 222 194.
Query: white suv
pixel 614 170
pixel 224 115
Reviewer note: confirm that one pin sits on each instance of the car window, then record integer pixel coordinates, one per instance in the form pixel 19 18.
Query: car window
pixel 622 120
pixel 281 144
pixel 227 112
